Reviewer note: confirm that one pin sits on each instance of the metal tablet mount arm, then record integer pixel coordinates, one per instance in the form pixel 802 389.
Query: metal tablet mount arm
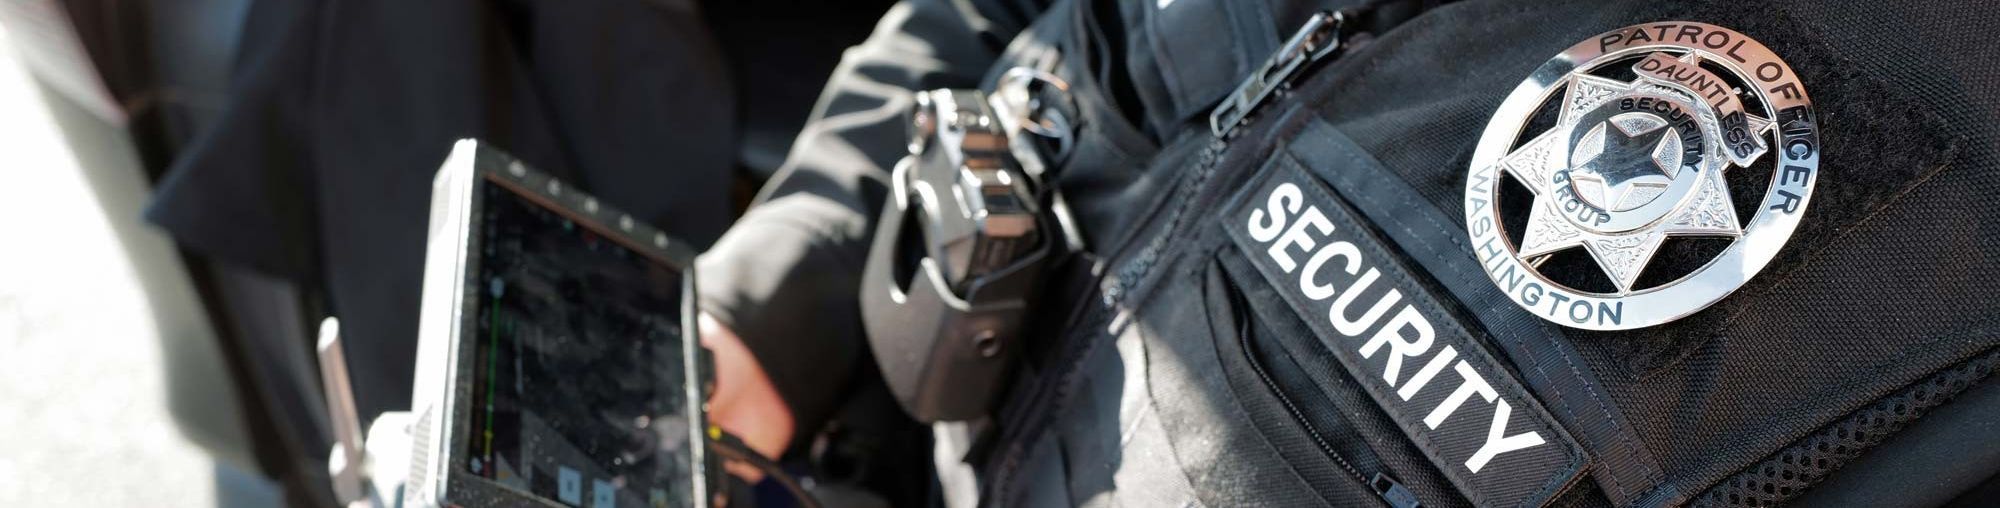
pixel 367 470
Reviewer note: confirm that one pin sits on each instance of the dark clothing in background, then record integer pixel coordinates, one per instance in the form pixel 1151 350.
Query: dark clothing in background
pixel 1871 298
pixel 779 53
pixel 341 111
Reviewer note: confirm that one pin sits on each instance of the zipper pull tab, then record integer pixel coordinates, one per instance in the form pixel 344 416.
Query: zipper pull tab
pixel 1318 38
pixel 1394 493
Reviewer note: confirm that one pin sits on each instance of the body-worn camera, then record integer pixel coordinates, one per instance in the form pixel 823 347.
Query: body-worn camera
pixel 957 254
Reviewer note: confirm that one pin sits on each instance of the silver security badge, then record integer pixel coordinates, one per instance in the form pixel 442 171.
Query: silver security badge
pixel 1656 124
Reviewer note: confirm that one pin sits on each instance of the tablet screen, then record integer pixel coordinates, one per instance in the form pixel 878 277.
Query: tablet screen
pixel 578 393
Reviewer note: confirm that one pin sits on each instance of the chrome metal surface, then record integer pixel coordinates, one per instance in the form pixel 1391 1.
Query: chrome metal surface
pixel 1038 116
pixel 1318 38
pixel 1631 163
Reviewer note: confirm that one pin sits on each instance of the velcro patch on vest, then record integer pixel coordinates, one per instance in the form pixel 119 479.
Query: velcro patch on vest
pixel 1467 413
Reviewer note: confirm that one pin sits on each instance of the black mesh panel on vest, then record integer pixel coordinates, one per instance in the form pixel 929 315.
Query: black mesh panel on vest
pixel 1792 470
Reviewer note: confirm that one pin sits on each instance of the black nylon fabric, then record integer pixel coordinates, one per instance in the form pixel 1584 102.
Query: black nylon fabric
pixel 1708 381
pixel 1342 402
pixel 1719 390
pixel 1226 461
pixel 1877 289
pixel 1802 465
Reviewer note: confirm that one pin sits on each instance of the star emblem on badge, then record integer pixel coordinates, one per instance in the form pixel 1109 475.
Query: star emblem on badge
pixel 1618 181
pixel 1619 169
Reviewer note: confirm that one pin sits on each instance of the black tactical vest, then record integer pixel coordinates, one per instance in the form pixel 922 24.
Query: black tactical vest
pixel 1196 354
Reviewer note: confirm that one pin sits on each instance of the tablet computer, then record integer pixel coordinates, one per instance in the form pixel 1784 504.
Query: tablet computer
pixel 558 363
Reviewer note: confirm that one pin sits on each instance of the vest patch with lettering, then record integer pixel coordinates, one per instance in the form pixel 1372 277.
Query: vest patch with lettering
pixel 1446 392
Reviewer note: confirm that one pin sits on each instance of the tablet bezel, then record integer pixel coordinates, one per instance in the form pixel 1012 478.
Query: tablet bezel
pixel 451 265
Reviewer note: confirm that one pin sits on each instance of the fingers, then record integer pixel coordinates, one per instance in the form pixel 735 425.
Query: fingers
pixel 745 402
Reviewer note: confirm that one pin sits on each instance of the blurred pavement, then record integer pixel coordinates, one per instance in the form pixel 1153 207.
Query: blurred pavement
pixel 83 416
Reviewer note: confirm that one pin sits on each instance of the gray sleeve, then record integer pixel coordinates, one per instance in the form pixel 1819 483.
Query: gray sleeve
pixel 786 277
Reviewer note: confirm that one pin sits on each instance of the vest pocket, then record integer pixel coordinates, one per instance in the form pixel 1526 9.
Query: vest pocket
pixel 1297 395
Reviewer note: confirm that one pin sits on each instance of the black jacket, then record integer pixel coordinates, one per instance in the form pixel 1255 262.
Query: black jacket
pixel 1843 351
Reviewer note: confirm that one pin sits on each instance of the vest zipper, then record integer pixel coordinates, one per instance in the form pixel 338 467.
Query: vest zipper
pixel 1243 332
pixel 1319 38
pixel 1392 492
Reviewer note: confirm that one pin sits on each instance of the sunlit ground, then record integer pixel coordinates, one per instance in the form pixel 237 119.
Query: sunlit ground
pixel 83 417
